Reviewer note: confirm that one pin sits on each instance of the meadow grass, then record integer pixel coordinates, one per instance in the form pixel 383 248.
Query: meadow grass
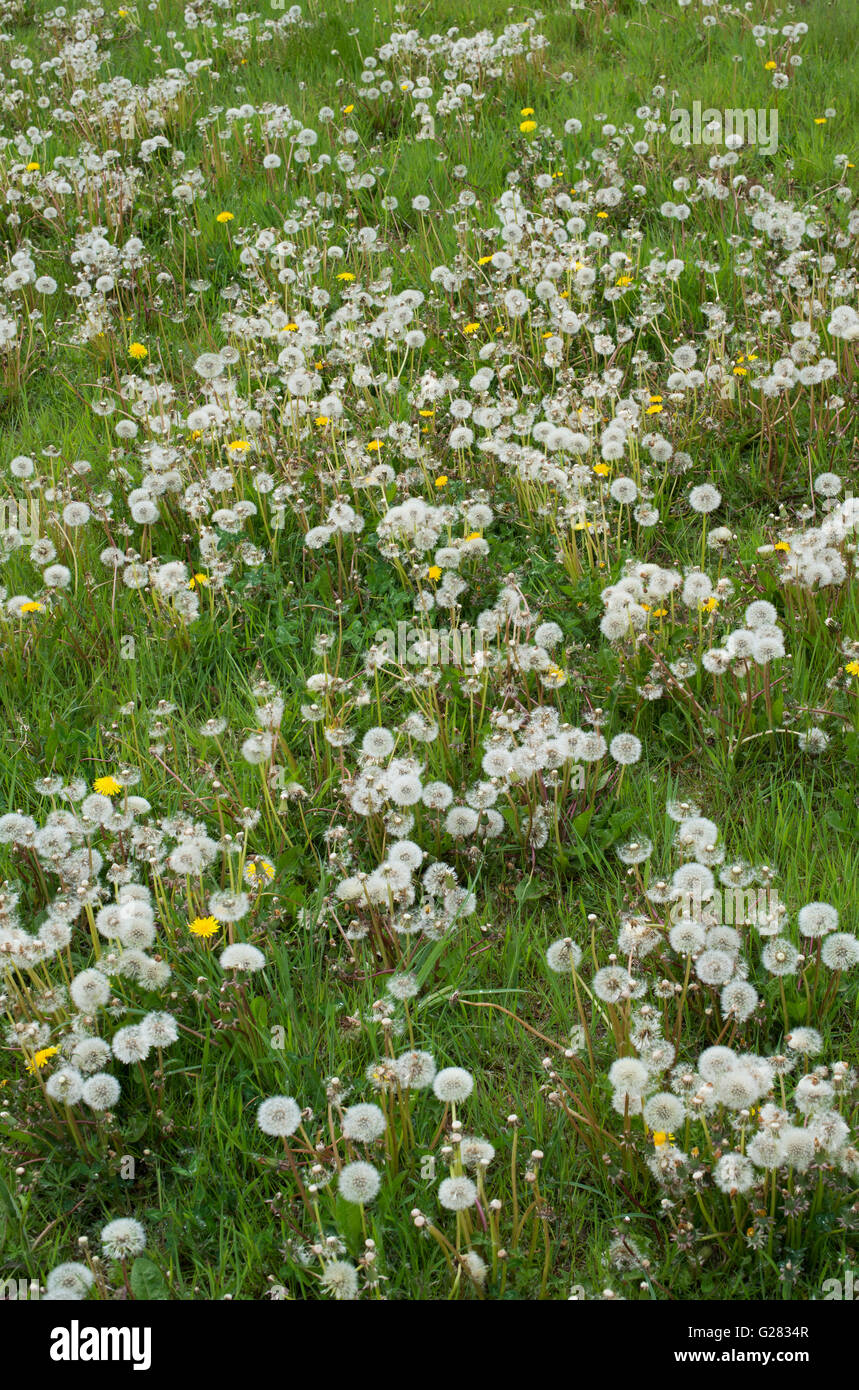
pixel 103 680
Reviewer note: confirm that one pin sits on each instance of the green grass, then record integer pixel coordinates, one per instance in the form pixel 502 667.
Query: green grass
pixel 217 1198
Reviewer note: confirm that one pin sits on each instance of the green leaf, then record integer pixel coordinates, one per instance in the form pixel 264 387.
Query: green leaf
pixel 348 1218
pixel 797 1010
pixel 851 745
pixel 671 728
pixel 528 891
pixel 289 862
pixel 838 823
pixel 619 822
pixel 135 1128
pixel 147 1282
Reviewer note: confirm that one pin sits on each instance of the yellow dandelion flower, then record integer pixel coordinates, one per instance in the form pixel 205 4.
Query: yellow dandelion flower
pixel 322 420
pixel 852 668
pixel 624 281
pixel 375 445
pixel 32 607
pixel 238 446
pixel 434 572
pixel 225 217
pixel 345 275
pixel 41 1058
pixel 820 120
pixel 710 604
pixel 441 480
pixel 196 580
pixel 484 260
pixel 527 126
pixel 602 470
pixel 426 414
pixel 204 926
pixel 781 545
pixel 106 786
pixel 770 66
pixel 347 110
pixel 138 352
pixel 653 410
pixel 471 328
pixel 527 111
pixel 33 167
pixel 602 214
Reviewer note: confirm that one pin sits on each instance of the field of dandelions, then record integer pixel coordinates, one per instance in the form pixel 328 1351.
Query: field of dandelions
pixel 429 651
